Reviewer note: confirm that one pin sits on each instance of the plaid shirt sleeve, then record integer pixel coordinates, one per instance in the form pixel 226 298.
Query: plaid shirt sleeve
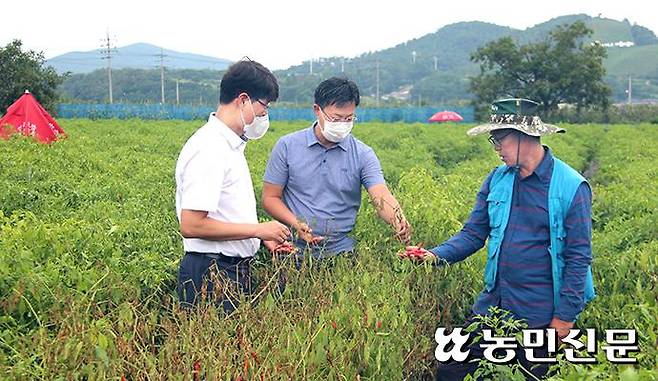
pixel 577 255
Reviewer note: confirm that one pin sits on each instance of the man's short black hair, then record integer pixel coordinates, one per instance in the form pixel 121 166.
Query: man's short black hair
pixel 248 77
pixel 338 91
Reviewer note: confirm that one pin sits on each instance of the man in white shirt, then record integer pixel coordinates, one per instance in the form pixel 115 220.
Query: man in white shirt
pixel 215 201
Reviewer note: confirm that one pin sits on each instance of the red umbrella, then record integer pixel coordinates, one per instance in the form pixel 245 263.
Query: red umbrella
pixel 446 116
pixel 28 117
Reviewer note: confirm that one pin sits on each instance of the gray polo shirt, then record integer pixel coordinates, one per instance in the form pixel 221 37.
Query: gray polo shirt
pixel 321 186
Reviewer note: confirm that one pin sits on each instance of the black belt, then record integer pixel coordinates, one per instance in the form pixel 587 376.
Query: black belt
pixel 221 256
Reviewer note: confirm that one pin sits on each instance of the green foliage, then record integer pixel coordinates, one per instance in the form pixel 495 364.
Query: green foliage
pixel 615 114
pixel 607 30
pixel 446 88
pixel 502 324
pixel 89 249
pixel 560 69
pixel 143 86
pixel 24 70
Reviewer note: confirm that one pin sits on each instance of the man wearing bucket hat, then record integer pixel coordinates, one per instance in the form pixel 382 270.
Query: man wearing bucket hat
pixel 534 211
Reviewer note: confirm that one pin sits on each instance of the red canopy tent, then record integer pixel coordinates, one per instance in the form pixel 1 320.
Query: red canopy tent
pixel 28 117
pixel 446 116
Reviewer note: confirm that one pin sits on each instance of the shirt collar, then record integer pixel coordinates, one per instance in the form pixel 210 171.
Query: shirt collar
pixel 544 170
pixel 234 141
pixel 311 139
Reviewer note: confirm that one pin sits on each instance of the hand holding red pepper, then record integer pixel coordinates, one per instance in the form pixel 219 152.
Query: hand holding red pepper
pixel 286 247
pixel 417 253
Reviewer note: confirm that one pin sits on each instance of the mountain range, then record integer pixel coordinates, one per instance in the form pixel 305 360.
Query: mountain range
pixel 434 68
pixel 135 56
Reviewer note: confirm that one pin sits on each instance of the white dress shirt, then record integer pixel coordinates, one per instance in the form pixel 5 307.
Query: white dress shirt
pixel 212 175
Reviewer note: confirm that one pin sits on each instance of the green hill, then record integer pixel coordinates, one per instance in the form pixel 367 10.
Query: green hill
pixel 604 30
pixel 434 68
pixel 638 61
pixel 452 46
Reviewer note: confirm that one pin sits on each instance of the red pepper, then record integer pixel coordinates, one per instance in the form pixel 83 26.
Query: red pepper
pixel 196 369
pixel 416 253
pixel 285 248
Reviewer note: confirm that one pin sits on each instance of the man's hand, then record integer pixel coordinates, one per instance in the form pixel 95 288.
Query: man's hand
pixel 270 245
pixel 403 231
pixel 278 248
pixel 272 231
pixel 417 253
pixel 304 232
pixel 561 327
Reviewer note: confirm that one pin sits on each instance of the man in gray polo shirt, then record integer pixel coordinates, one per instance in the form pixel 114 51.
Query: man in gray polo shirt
pixel 314 176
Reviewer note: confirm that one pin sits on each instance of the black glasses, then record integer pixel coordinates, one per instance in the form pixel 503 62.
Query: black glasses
pixel 267 106
pixel 496 141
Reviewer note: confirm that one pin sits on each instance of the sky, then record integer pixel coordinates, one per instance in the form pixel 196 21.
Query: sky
pixel 276 33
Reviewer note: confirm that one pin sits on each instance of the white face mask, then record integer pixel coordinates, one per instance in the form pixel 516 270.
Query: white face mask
pixel 336 132
pixel 258 127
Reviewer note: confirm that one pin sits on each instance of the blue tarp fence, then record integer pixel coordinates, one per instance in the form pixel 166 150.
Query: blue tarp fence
pixel 157 111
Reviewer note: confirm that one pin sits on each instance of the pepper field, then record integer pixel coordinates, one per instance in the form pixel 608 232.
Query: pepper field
pixel 89 249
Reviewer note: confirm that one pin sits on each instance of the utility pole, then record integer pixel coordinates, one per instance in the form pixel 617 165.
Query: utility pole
pixel 162 93
pixel 413 57
pixel 177 98
pixel 630 90
pixel 342 65
pixel 377 96
pixel 436 63
pixel 106 54
pixel 310 67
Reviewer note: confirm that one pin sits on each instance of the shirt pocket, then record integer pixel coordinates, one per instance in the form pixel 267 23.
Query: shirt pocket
pixel 497 205
pixel 557 227
pixel 347 181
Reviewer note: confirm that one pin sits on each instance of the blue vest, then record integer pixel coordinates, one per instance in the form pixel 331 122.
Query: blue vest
pixel 561 191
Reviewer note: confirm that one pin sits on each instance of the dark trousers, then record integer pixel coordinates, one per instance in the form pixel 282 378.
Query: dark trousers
pixel 453 370
pixel 201 274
